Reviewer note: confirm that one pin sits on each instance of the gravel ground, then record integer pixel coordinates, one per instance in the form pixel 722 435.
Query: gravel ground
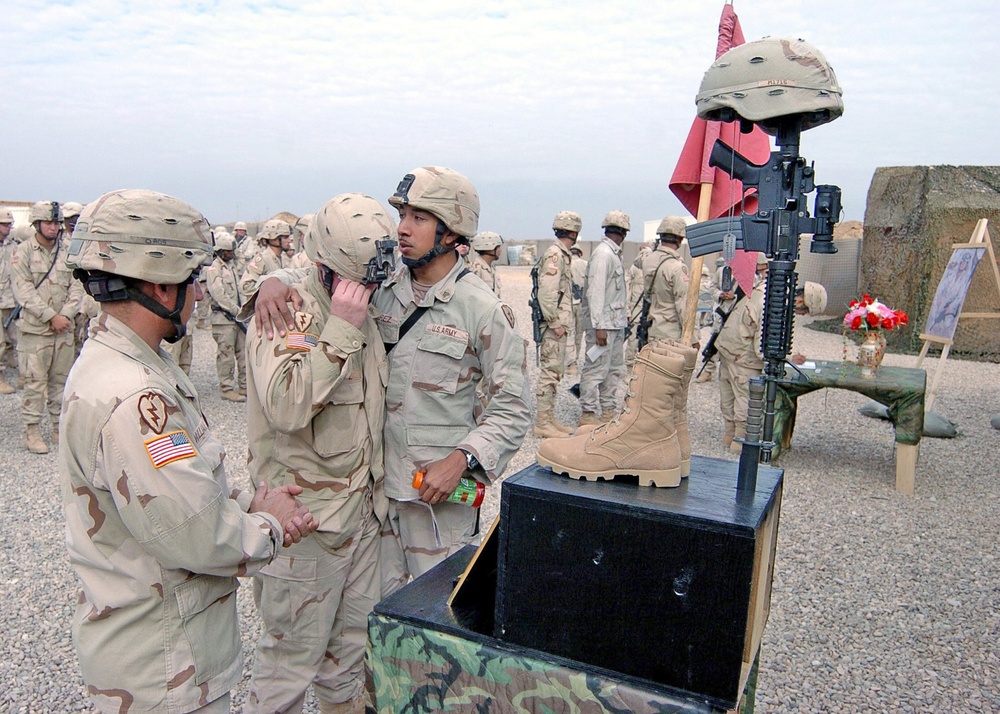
pixel 881 602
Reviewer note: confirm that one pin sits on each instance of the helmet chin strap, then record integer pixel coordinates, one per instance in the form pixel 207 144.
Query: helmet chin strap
pixel 174 316
pixel 438 249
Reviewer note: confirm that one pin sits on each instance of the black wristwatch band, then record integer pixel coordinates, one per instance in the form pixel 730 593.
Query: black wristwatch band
pixel 470 460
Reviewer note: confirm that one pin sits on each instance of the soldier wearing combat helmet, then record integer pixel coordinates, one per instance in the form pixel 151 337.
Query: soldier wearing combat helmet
pixel 665 281
pixel 274 237
pixel 485 250
pixel 155 533
pixel 555 298
pixel 450 340
pixel 316 406
pixel 225 301
pixel 49 299
pixel 8 334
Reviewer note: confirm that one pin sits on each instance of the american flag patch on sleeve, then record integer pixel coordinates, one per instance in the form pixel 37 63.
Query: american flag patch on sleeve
pixel 170 447
pixel 300 341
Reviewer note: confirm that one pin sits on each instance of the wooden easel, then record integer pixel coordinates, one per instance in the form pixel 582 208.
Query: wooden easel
pixel 980 238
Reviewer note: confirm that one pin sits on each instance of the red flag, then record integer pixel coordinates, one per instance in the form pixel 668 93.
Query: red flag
pixel 693 170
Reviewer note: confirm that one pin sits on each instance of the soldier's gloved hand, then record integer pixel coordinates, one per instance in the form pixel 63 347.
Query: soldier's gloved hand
pixel 296 520
pixel 349 301
pixel 60 323
pixel 441 477
pixel 601 336
pixel 271 313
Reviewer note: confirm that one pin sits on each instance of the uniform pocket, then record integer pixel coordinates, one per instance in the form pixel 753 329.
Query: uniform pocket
pixel 207 606
pixel 439 359
pixel 289 599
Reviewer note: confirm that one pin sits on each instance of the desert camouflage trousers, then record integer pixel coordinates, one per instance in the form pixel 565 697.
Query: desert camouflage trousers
pixel 552 366
pixel 734 392
pixel 45 361
pixel 415 541
pixel 314 602
pixel 8 340
pixel 602 381
pixel 230 363
pixel 573 352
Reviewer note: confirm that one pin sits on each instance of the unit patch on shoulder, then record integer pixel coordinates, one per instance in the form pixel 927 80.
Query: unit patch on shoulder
pixel 153 411
pixel 302 321
pixel 508 313
pixel 300 341
pixel 169 448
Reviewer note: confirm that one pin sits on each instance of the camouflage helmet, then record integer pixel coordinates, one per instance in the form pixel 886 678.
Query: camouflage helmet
pixel 219 230
pixel 302 225
pixel 6 216
pixel 240 226
pixel 141 234
pixel 45 211
pixel 343 234
pixel 616 219
pixel 274 229
pixel 766 80
pixel 485 242
pixel 445 193
pixel 814 297
pixel 672 226
pixel 71 209
pixel 761 259
pixel 22 232
pixel 567 221
pixel 225 242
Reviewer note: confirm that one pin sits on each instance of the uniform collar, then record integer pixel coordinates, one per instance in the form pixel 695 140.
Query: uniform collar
pixel 443 290
pixel 613 246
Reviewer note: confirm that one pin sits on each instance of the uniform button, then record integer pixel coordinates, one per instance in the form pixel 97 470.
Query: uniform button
pixel 356 343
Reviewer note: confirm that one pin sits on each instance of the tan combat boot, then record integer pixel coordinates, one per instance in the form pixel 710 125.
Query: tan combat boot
pixel 232 396
pixel 6 388
pixel 589 418
pixel 641 441
pixel 727 436
pixel 33 440
pixel 739 432
pixel 546 427
pixel 690 355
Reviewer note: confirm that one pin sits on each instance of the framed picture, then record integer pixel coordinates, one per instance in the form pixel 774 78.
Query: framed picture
pixel 950 296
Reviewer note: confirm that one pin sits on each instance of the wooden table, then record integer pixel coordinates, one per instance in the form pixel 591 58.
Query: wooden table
pixel 900 389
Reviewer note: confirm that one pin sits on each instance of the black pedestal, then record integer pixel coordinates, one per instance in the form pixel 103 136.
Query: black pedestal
pixel 667 585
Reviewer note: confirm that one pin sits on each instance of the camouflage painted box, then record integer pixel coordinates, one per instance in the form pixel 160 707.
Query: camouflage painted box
pixel 667 585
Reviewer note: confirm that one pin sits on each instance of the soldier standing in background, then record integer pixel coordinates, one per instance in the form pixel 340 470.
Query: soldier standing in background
pixel 605 317
pixel 50 298
pixel 578 269
pixel 633 297
pixel 317 396
pixel 8 334
pixel 485 250
pixel 230 337
pixel 666 281
pixel 155 534
pixel 276 236
pixel 299 258
pixel 740 357
pixel 555 297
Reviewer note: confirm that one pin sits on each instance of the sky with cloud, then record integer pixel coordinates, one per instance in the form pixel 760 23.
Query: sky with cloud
pixel 245 109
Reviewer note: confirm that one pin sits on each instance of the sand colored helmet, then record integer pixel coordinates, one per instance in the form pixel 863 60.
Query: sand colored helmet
pixel 771 78
pixel 486 242
pixel 814 297
pixel 45 211
pixel 22 232
pixel 274 229
pixel 240 226
pixel 344 233
pixel 672 226
pixel 6 216
pixel 225 242
pixel 576 250
pixel 445 193
pixel 71 209
pixel 567 221
pixel 616 219
pixel 141 234
pixel 761 259
pixel 302 225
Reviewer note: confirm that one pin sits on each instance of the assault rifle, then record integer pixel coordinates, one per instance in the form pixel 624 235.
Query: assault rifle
pixel 14 314
pixel 774 229
pixel 231 317
pixel 642 329
pixel 536 315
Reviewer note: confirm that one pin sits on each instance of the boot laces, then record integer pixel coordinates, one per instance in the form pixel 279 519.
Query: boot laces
pixel 629 394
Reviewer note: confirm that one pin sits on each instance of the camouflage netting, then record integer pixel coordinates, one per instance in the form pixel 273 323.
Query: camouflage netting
pixel 914 215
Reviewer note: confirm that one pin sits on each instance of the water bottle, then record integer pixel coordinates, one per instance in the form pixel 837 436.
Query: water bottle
pixel 469 492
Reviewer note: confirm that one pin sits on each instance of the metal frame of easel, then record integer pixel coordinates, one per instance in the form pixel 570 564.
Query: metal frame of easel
pixel 980 239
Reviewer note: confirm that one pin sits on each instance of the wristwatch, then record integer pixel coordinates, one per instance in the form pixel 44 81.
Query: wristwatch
pixel 470 460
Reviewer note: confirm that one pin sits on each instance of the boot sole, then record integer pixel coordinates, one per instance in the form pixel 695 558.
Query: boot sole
pixel 661 478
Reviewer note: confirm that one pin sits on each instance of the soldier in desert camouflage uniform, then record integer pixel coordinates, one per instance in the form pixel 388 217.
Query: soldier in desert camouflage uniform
pixel 485 249
pixel 458 337
pixel 320 392
pixel 555 297
pixel 276 236
pixel 230 339
pixel 665 281
pixel 50 299
pixel 578 269
pixel 155 534
pixel 8 335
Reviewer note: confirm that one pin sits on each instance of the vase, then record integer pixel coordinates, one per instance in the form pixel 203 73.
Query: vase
pixel 870 354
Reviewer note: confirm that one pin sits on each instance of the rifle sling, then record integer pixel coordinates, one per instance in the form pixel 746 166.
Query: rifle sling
pixel 414 317
pixel 17 311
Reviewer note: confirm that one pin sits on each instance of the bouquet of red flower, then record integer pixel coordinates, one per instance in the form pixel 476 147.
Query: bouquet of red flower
pixel 869 315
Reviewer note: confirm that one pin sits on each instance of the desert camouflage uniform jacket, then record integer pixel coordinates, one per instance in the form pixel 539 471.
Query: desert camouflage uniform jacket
pixel 154 533
pixel 315 423
pixel 555 286
pixel 467 336
pixel 665 278
pixel 604 299
pixel 739 339
pixel 485 271
pixel 6 291
pixel 223 289
pixel 263 263
pixel 59 293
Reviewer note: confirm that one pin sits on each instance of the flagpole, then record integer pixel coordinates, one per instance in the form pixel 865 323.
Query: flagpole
pixel 694 282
